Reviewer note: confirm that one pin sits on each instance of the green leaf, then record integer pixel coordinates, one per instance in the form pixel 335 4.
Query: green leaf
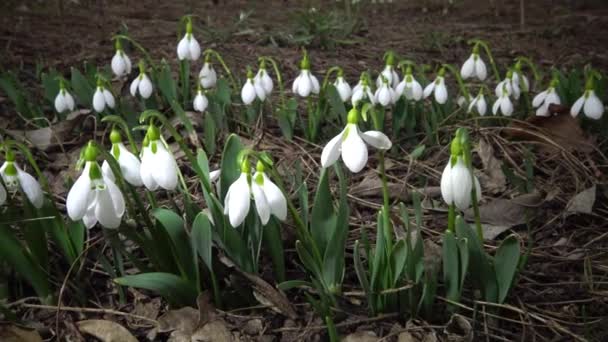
pixel 223 92
pixel 82 88
pixel 360 269
pixel 335 101
pixel 166 83
pixel 505 263
pixel 176 290
pixel 274 246
pixel 398 260
pixel 291 284
pixel 417 152
pixel 229 166
pixel 210 134
pixel 323 219
pixel 202 239
pixel 331 330
pixel 451 270
pixel 181 247
pixel 308 260
pixel 287 118
pixel 50 85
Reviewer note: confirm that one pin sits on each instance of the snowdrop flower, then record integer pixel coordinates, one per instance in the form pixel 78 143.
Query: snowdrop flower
pixel 350 144
pixel 409 87
pixel 251 90
pixel 200 102
pixel 263 79
pixel 15 178
pixel 503 103
pixel 158 166
pixel 94 197
pixel 389 72
pixel 438 88
pixel 474 66
pixel 590 103
pixel 463 101
pixel 362 92
pixel 456 184
pixel 510 85
pixel 306 83
pixel 142 84
pixel 266 195
pixel 479 104
pixel 522 83
pixel 188 48
pixel 64 100
pixel 385 95
pixel 102 98
pixel 207 76
pixel 130 166
pixel 342 87
pixel 542 101
pixel 121 63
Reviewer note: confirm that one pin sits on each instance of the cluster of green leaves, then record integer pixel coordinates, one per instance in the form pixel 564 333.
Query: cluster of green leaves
pixel 325 28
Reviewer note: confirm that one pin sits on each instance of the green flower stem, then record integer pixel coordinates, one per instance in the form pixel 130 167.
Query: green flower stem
pixel 279 77
pixel 531 66
pixel 219 58
pixel 386 204
pixel 147 56
pixel 328 74
pixel 486 48
pixel 461 85
pixel 115 119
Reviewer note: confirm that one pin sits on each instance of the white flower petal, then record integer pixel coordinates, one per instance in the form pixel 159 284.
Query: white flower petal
pixel 441 93
pixel 31 188
pixel 104 210
pixel 261 203
pixel 331 151
pixel 577 106
pixel 119 66
pixel 594 109
pixel 145 87
pixel 305 84
pixel 147 169
pixel 69 101
pixel 539 99
pixel 428 90
pixel 109 98
pixel 506 107
pixel 200 102
pixel 99 102
pixel 106 170
pixel 248 93
pixel 2 195
pixel 354 151
pixel 377 139
pixel 134 86
pixel 195 49
pixel 79 196
pixel 214 175
pixel 482 106
pixel 60 103
pixel 446 184
pixel 315 84
pixel 118 201
pixel 480 69
pixel 276 199
pixel 296 84
pixel 416 91
pixel 129 166
pixel 208 76
pixel 183 50
pixel 89 219
pixel 468 67
pixel 496 106
pixel 239 201
pixel 165 167
pixel 461 185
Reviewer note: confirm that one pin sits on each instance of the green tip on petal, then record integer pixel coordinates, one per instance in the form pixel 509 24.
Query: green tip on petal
pixel 245 165
pixel 353 116
pixel 10 169
pixel 455 147
pixel 90 152
pixel 259 166
pixel 115 136
pixel 153 133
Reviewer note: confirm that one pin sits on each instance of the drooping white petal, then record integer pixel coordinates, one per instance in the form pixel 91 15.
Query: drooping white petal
pixel 147 169
pixel 314 83
pixel 134 86
pixel 118 201
pixel 145 87
pixel 248 92
pixel 377 139
pixel 276 199
pixel 60 105
pixel 577 106
pixel 357 96
pixel 369 95
pixel 200 102
pixel 129 166
pixel 104 209
pixel 446 184
pixel 183 50
pixel 496 106
pixel 506 106
pixel 480 69
pixel 259 91
pixel 109 98
pixel 343 89
pixel 165 167
pixel 354 151
pixel 195 48
pixel 552 98
pixel 119 65
pixel 305 84
pixel 331 151
pixel 261 203
pixel 416 92
pixel 99 102
pixel 127 62
pixel 400 88
pixel 482 105
pixel 2 195
pixel 69 101
pixel 461 185
pixel 428 90
pixel 296 84
pixel 208 76
pixel 441 93
pixel 468 67
pixel 594 108
pixel 89 219
pixel 539 98
pixel 31 188
pixel 106 170
pixel 239 201
pixel 79 195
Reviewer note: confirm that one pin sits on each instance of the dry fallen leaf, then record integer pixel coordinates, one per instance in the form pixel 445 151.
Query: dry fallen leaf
pixel 459 329
pixel 583 202
pixel 11 333
pixel 371 186
pixel 43 138
pixel 492 178
pixel 361 336
pixel 106 331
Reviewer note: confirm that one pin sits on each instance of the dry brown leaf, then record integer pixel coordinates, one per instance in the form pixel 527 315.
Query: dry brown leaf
pixel 106 331
pixel 11 333
pixel 583 202
pixel 459 329
pixel 184 320
pixel 492 178
pixel 215 331
pixel 361 336
pixel 43 138
pixel 371 186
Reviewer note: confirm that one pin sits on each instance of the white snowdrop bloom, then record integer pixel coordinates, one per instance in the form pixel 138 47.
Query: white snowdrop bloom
pixel 410 88
pixel 200 102
pixel 188 48
pixel 390 75
pixel 142 85
pixel 121 63
pixel 251 90
pixel 510 86
pixel 305 84
pixel 15 178
pixel 542 101
pixel 343 88
pixel 207 76
pixel 130 166
pixel 362 92
pixel 385 95
pixel 474 67
pixel 350 144
pixel 504 104
pixel 463 101
pixel 479 104
pixel 591 105
pixel 438 88
pixel 522 84
pixel 102 98
pixel 64 101
pixel 95 198
pixel 263 79
pixel 456 185
pixel 158 166
pixel 274 196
